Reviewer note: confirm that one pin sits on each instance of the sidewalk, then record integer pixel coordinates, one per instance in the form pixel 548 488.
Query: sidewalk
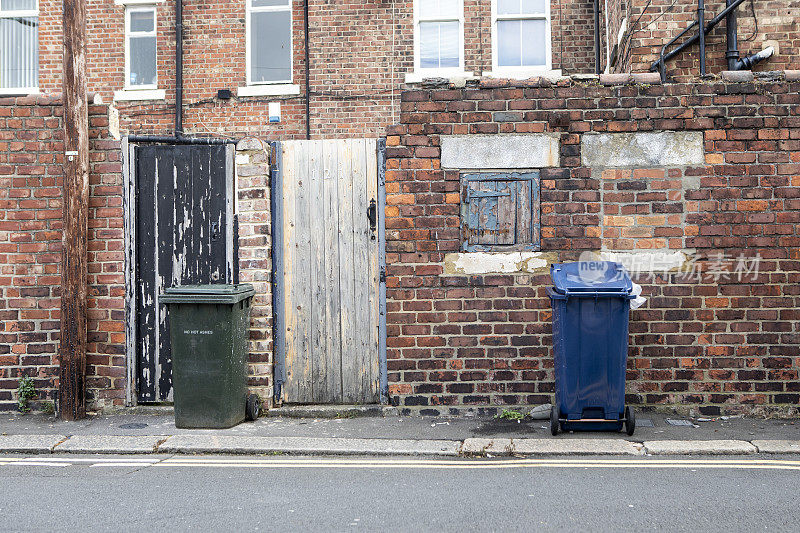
pixel 131 433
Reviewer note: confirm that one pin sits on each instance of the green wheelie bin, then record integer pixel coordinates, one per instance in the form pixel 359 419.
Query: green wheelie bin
pixel 208 326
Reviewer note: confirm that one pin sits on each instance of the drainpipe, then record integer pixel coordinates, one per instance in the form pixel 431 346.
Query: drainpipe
pixel 701 22
pixel 608 38
pixel 732 52
pixel 178 68
pixel 308 72
pixel 597 69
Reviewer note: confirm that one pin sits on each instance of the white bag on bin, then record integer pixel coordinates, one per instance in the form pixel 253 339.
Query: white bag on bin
pixel 639 301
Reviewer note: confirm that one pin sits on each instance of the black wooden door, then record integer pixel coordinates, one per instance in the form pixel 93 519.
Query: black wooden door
pixel 184 235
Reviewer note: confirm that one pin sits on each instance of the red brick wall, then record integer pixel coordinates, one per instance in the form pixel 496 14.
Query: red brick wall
pixel 360 53
pixel 31 156
pixel 651 29
pixel 716 343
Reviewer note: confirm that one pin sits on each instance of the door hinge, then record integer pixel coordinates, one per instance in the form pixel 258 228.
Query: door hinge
pixel 382 275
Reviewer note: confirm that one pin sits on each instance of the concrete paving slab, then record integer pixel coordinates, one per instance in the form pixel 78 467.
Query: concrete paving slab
pixel 699 447
pixel 486 447
pixel 29 443
pixel 576 447
pixel 777 446
pixel 117 444
pixel 306 445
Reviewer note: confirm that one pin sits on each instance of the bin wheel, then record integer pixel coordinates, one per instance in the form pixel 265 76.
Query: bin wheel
pixel 253 407
pixel 554 420
pixel 630 421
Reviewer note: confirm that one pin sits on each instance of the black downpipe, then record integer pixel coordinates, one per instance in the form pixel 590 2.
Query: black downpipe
pixel 732 53
pixel 308 71
pixel 701 21
pixel 597 69
pixel 693 39
pixel 178 68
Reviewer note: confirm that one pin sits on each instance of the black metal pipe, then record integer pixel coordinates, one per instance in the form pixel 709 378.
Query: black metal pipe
pixel 168 139
pixel 178 68
pixel 597 69
pixel 308 71
pixel 701 18
pixel 732 52
pixel 693 39
pixel 662 66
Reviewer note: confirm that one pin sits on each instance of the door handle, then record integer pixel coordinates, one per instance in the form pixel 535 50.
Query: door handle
pixel 372 214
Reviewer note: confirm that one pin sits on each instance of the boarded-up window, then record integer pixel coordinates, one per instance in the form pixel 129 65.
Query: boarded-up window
pixel 500 211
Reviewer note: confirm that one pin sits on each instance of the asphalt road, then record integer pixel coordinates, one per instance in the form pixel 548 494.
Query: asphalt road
pixel 182 493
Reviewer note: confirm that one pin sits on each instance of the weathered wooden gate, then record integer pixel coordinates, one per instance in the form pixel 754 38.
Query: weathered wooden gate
pixel 330 271
pixel 181 218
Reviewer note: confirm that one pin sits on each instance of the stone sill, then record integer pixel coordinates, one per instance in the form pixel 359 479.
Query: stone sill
pixel 277 89
pixel 129 95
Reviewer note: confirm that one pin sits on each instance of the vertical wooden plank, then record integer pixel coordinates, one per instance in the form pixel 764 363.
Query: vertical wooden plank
pixel 523 214
pixel 217 206
pixel 316 264
pixel 487 212
pixel 230 237
pixel 172 184
pixel 347 304
pixel 302 278
pixel 506 203
pixel 289 252
pixel 146 350
pixel 536 214
pixel 129 232
pixel 372 387
pixel 182 217
pixel 359 374
pixel 331 356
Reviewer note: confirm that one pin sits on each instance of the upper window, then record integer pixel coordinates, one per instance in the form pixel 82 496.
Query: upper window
pixel 269 41
pixel 439 35
pixel 140 48
pixel 19 46
pixel 521 35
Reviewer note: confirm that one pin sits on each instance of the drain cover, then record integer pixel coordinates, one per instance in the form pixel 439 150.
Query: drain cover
pixel 644 423
pixel 137 425
pixel 674 422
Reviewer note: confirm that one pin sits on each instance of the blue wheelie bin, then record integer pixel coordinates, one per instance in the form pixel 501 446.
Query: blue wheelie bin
pixel 591 304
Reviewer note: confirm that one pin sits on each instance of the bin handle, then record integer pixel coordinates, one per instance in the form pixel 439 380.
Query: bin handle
pixel 596 294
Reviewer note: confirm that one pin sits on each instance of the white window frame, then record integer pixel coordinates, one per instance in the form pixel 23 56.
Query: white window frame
pixel 527 70
pixel 13 13
pixel 139 9
pixel 420 73
pixel 248 36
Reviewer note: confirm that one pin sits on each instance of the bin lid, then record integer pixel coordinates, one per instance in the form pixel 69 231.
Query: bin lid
pixel 207 294
pixel 591 278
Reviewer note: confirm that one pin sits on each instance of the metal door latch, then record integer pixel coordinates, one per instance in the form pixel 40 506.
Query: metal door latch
pixel 372 213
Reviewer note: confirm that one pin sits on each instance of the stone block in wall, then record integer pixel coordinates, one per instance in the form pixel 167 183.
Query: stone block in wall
pixel 500 152
pixel 643 149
